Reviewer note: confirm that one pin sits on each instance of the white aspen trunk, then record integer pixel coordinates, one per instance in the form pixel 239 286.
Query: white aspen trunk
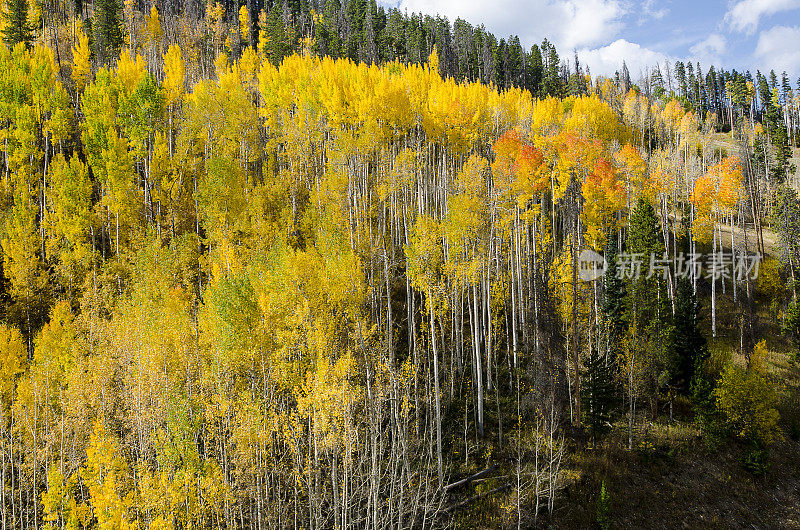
pixel 514 298
pixel 437 396
pixel 478 362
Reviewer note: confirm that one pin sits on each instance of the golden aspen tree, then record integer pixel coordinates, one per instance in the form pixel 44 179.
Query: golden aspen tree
pixel 153 27
pixel 174 76
pixel 130 71
pixel 69 201
pixel 14 355
pixel 154 34
pixel 263 37
pixel 106 475
pixel 303 292
pixel 215 21
pixel 22 262
pixel 174 87
pixel 244 25
pixel 61 509
pixel 605 198
pixel 128 13
pixel 425 262
pixel 81 62
pixel 634 168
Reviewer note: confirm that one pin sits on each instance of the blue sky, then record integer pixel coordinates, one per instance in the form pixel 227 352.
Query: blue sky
pixel 741 34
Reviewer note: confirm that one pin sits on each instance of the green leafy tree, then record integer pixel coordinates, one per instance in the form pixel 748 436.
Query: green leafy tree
pixel 787 224
pixel 747 401
pixel 604 508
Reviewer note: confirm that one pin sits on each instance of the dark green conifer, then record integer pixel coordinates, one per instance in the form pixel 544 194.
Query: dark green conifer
pixel 597 394
pixel 688 343
pixel 107 29
pixel 17 29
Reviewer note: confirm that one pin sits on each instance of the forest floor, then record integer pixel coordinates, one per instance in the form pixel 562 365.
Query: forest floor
pixel 770 238
pixel 671 479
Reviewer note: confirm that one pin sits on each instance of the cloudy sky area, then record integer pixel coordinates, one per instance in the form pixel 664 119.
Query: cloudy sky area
pixel 741 34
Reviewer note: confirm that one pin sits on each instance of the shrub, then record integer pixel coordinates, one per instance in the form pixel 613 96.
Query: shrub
pixel 604 508
pixel 747 401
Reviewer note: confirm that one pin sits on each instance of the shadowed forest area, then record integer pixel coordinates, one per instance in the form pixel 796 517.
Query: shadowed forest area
pixel 324 265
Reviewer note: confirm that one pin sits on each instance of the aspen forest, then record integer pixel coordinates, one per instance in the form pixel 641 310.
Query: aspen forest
pixel 311 264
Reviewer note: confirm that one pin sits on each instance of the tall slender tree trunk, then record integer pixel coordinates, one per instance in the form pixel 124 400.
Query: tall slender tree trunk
pixel 437 394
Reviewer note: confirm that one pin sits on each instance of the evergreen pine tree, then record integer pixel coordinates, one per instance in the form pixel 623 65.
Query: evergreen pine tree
pixel 657 81
pixel 278 41
pixel 791 325
pixel 355 14
pixel 647 298
pixel 688 343
pixel 327 39
pixel 786 89
pixel 597 393
pixel 613 309
pixel 369 46
pixel 107 29
pixel 703 402
pixel 625 79
pixel 787 224
pixel 552 80
pixel 17 28
pixel 644 241
pixel 535 68
pixel 603 508
pixel 680 77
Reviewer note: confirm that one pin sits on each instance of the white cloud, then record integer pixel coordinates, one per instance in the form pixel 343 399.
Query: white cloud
pixel 710 50
pixel 608 59
pixel 567 23
pixel 777 48
pixel 589 22
pixel 649 12
pixel 745 14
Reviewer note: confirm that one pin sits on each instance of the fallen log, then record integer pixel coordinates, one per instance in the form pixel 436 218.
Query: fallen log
pixel 465 481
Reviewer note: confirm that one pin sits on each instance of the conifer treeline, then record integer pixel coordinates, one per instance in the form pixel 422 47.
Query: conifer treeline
pixel 364 31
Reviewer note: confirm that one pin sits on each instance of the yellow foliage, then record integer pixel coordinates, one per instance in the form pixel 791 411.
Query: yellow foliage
pixel 605 199
pixel 747 399
pixel 13 355
pixel 244 23
pixel 81 62
pixel 154 31
pixel 716 194
pixel 174 75
pixel 106 476
pixel 130 70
